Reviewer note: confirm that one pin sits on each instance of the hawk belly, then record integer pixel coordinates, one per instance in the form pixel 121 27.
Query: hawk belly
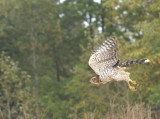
pixel 117 74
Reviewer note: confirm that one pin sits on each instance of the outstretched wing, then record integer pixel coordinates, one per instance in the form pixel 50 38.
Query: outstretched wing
pixel 104 57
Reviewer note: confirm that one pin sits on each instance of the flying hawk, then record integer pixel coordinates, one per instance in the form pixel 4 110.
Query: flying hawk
pixel 107 66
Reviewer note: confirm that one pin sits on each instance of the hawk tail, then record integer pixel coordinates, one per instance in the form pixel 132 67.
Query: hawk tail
pixel 132 62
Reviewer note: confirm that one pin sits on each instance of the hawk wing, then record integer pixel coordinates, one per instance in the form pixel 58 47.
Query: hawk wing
pixel 105 56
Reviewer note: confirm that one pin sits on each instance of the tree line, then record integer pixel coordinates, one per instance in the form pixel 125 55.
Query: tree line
pixel 45 46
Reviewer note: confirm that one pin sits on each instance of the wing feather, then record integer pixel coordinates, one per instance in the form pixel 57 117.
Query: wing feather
pixel 105 56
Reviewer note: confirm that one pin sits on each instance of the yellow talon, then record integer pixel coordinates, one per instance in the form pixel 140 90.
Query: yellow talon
pixel 132 88
pixel 133 82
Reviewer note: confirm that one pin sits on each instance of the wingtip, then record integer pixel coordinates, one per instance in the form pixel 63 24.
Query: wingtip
pixel 147 60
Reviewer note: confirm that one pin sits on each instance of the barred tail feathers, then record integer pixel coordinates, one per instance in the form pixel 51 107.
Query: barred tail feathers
pixel 134 61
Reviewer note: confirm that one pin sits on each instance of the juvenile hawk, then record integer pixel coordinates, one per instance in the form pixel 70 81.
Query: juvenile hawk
pixel 107 66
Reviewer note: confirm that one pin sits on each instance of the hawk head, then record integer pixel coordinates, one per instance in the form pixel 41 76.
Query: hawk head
pixel 96 80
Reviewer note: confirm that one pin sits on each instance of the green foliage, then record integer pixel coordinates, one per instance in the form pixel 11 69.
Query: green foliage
pixel 50 41
pixel 15 93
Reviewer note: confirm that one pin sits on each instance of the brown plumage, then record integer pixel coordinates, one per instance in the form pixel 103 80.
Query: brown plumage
pixel 107 66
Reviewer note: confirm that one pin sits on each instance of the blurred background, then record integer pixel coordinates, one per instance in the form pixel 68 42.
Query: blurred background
pixel 44 50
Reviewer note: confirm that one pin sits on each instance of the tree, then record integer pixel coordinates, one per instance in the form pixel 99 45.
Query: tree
pixel 16 96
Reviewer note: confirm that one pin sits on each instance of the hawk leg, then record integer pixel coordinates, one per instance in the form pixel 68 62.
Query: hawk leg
pixel 132 88
pixel 133 82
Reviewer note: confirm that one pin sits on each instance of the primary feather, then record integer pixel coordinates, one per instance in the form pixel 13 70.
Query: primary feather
pixel 105 56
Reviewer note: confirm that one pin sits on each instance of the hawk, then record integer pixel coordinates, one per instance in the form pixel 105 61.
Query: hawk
pixel 107 66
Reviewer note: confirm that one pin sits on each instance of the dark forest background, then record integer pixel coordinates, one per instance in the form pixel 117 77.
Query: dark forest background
pixel 45 46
